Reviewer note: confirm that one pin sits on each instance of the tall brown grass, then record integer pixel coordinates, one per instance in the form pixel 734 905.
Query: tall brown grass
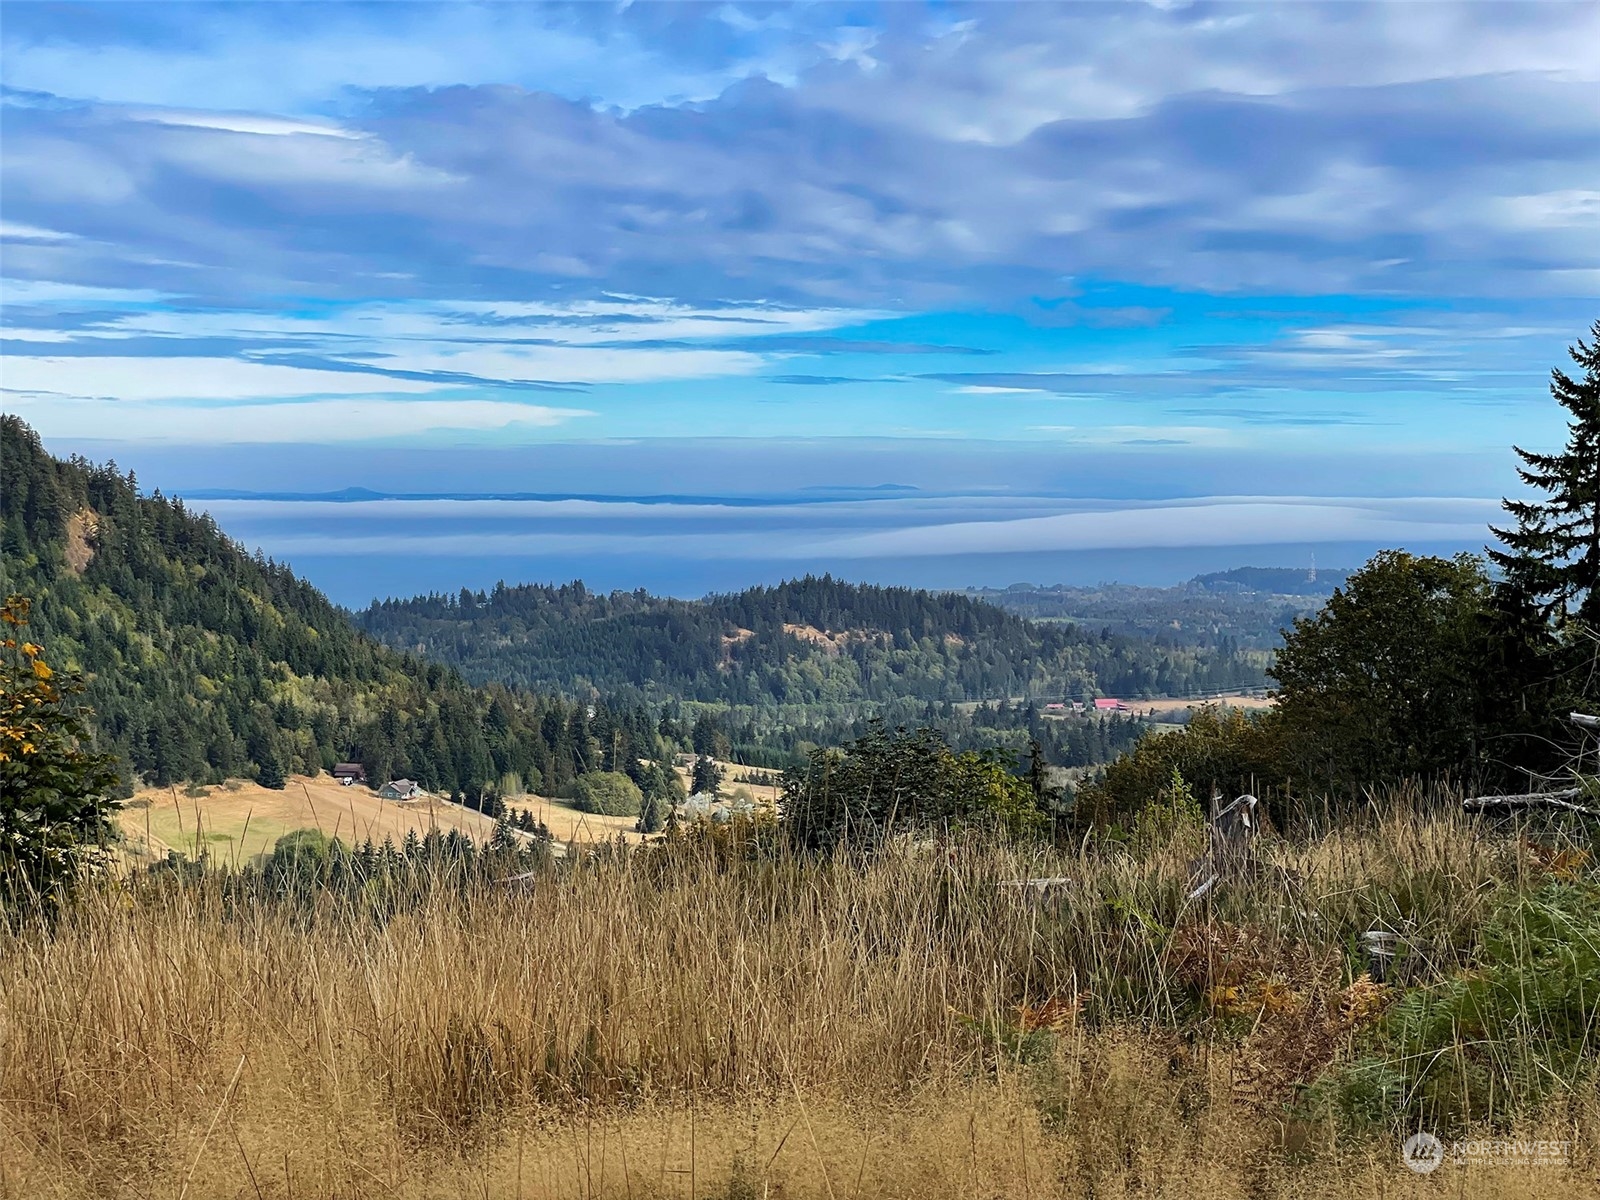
pixel 704 1024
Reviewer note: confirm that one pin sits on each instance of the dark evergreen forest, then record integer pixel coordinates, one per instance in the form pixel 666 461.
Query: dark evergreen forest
pixel 811 641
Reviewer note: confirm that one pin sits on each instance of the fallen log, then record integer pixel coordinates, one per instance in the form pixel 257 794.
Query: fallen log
pixel 1564 799
pixel 1584 720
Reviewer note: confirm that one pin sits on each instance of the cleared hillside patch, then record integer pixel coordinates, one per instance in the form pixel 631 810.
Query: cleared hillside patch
pixel 236 821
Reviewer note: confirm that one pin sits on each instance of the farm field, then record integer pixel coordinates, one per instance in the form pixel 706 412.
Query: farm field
pixel 567 824
pixel 233 823
pixel 1164 708
pixel 237 821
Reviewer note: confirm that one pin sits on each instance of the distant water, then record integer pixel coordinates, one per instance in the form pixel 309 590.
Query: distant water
pixel 358 550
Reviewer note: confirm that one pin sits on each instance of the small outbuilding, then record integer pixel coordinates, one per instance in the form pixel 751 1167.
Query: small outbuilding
pixel 349 773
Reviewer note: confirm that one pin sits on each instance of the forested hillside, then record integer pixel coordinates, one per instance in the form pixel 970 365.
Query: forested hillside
pixel 811 641
pixel 202 662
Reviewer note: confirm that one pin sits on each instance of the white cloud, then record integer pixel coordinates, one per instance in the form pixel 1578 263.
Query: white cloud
pixel 823 533
pixel 208 379
pixel 47 292
pixel 978 389
pixel 352 419
pixel 1018 68
pixel 293 158
pixel 32 233
pixel 580 364
pixel 495 344
pixel 257 123
pixel 248 59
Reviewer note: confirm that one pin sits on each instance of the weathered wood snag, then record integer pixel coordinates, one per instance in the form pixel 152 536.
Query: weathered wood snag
pixel 1231 854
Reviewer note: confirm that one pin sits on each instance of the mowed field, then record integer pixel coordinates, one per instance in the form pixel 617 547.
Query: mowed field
pixel 1164 708
pixel 237 821
pixel 567 824
pixel 240 820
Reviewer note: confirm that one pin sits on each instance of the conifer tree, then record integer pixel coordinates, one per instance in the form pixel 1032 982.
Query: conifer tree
pixel 504 841
pixel 708 776
pixel 271 773
pixel 1552 554
pixel 650 819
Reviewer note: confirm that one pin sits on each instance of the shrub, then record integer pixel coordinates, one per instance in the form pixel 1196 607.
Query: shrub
pixel 55 795
pixel 1220 749
pixel 888 783
pixel 1174 816
pixel 608 793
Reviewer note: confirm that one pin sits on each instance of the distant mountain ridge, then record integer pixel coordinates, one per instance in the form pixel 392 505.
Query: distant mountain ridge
pixel 1273 581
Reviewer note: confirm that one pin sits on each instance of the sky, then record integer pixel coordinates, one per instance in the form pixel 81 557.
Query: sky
pixel 688 296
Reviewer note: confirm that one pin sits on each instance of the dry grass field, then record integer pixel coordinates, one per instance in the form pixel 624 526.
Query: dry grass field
pixel 236 822
pixel 1162 709
pixel 567 824
pixel 690 1022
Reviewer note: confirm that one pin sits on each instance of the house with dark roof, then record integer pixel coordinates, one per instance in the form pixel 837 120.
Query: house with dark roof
pixel 400 789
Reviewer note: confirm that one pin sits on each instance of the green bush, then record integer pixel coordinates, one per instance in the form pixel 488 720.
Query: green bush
pixel 1175 816
pixel 1221 748
pixel 608 793
pixel 55 794
pixel 301 855
pixel 887 783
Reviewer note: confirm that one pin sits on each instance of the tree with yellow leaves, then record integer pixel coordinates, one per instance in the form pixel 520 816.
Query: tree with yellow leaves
pixel 55 793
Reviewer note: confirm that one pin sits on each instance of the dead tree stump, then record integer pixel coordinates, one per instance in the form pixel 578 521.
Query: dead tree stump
pixel 1231 852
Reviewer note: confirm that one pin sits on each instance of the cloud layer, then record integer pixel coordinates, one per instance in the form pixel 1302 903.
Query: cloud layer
pixel 959 159
pixel 1155 231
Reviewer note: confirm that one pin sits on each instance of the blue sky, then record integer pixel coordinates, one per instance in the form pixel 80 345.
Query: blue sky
pixel 1046 264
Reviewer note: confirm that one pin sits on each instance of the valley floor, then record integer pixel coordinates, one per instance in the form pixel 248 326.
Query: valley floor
pixel 239 820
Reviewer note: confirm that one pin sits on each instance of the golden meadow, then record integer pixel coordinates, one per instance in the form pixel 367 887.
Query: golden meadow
pixel 709 1020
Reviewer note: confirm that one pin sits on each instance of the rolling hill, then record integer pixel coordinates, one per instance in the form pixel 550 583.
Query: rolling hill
pixel 1242 610
pixel 810 641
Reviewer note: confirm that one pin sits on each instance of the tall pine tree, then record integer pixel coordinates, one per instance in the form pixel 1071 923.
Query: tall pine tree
pixel 1552 555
